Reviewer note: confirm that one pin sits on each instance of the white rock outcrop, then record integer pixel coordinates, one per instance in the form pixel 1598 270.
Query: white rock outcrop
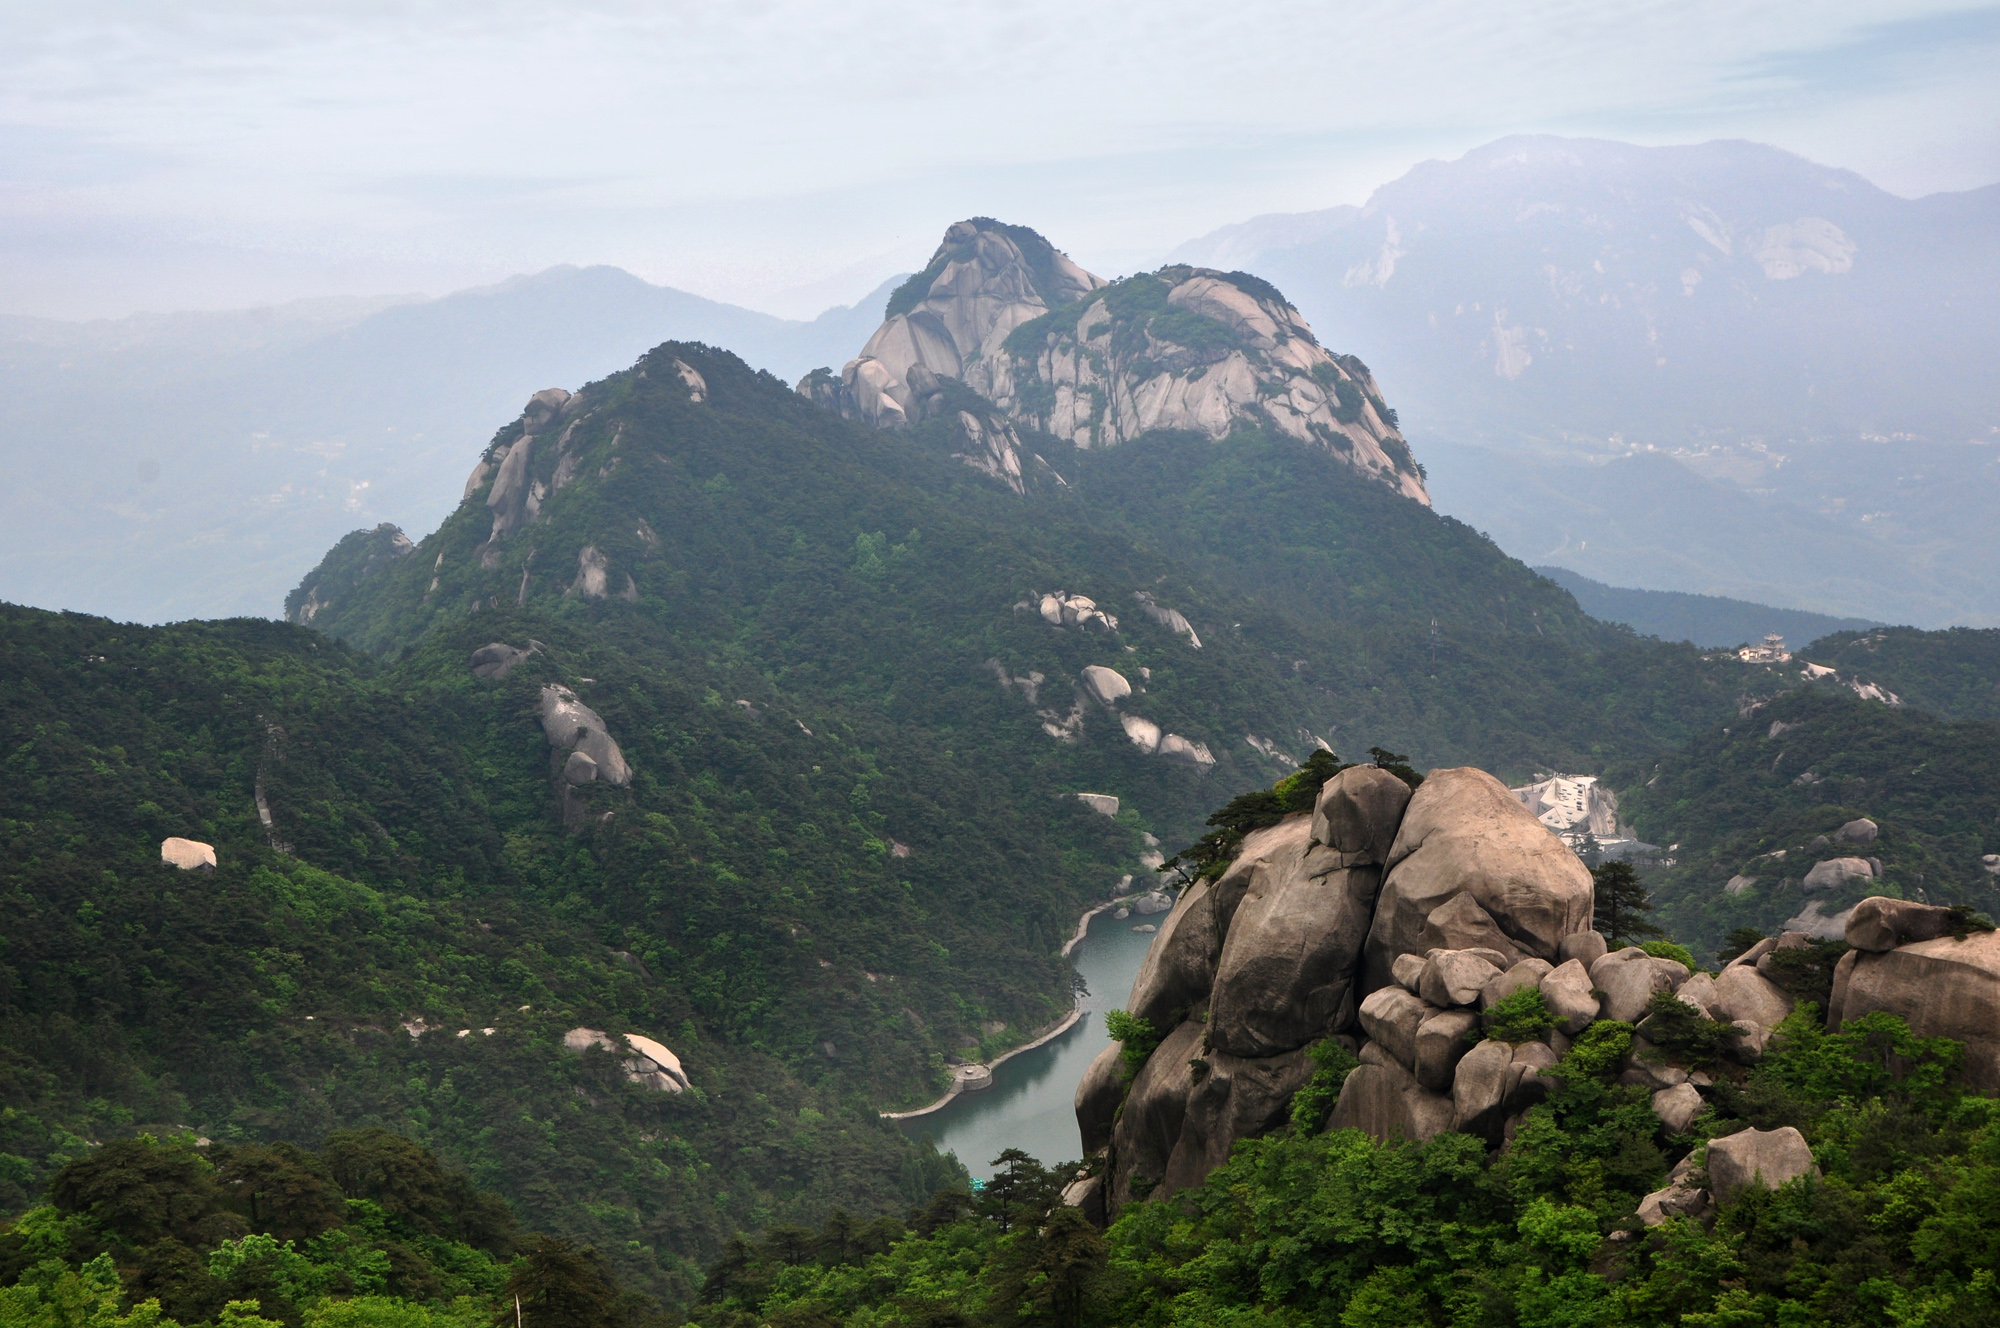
pixel 1171 619
pixel 647 1062
pixel 1106 686
pixel 571 725
pixel 187 854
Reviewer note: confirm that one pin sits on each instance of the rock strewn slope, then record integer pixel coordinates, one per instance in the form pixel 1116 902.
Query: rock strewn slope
pixel 1058 350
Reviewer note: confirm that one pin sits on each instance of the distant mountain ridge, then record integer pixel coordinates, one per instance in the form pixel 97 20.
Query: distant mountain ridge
pixel 194 465
pixel 1705 620
pixel 1809 347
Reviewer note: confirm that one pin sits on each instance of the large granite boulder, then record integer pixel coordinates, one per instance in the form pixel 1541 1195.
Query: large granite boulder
pixel 1442 1041
pixel 1940 988
pixel 1837 872
pixel 1383 1099
pixel 1464 833
pixel 1677 1107
pixel 1628 978
pixel 1879 925
pixel 1358 812
pixel 1150 1126
pixel 1233 1098
pixel 570 724
pixel 1285 977
pixel 1391 1017
pixel 1741 992
pixel 1757 1157
pixel 1456 977
pixel 1571 996
pixel 187 854
pixel 1479 1088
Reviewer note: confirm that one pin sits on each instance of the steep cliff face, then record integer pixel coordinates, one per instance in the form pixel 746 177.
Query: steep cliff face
pixel 1051 348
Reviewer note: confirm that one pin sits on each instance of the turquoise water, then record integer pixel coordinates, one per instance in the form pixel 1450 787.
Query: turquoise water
pixel 1032 1104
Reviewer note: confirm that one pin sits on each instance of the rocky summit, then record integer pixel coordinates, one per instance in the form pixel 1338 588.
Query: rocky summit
pixel 1048 348
pixel 1392 922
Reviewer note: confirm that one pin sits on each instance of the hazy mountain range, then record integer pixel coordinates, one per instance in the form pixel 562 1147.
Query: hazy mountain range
pixel 1717 369
pixel 194 465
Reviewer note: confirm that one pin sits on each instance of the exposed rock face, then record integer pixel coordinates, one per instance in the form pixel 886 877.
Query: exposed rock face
pixel 1940 988
pixel 1054 349
pixel 1836 872
pixel 1629 977
pixel 1285 976
pixel 1104 804
pixel 1465 834
pixel 1879 925
pixel 1097 1098
pixel 1757 1157
pixel 187 854
pixel 497 659
pixel 1272 954
pixel 570 724
pixel 647 1063
pixel 1107 686
pixel 1170 619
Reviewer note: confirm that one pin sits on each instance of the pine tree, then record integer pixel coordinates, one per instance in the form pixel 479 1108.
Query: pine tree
pixel 1622 905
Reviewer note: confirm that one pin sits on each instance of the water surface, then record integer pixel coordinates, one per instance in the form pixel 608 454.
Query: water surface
pixel 1032 1104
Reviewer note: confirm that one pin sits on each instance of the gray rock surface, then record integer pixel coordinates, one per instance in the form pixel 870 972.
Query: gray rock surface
pixel 1097 1096
pixel 569 723
pixel 1143 1139
pixel 497 660
pixel 1358 812
pixel 1752 1038
pixel 1463 832
pixel 1676 1200
pixel 1442 1039
pixel 1461 924
pixel 1179 968
pixel 1878 924
pixel 579 769
pixel 1479 1088
pixel 1859 831
pixel 1522 976
pixel 1677 1107
pixel 1390 1018
pixel 1408 971
pixel 1701 992
pixel 1285 975
pixel 1628 978
pixel 1385 1100
pixel 1588 946
pixel 1455 977
pixel 1571 997
pixel 1757 1157
pixel 1941 988
pixel 1837 872
pixel 1235 1098
pixel 1106 686
pixel 1741 992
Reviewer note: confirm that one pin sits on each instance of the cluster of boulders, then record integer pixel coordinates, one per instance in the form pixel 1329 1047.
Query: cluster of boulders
pixel 1393 921
pixel 1061 609
pixel 646 1062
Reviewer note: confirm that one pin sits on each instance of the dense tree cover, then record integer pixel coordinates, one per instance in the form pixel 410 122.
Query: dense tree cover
pixel 426 887
pixel 370 1231
pixel 1954 673
pixel 1754 799
pixel 1304 1227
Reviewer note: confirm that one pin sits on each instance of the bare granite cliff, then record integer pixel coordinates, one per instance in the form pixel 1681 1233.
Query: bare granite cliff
pixel 1050 348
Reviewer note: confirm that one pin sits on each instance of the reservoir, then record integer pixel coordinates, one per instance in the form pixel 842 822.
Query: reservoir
pixel 1032 1104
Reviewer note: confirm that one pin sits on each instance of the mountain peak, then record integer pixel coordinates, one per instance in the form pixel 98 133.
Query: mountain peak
pixel 1060 350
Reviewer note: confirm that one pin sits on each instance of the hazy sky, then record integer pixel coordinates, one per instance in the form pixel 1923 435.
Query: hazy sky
pixel 214 153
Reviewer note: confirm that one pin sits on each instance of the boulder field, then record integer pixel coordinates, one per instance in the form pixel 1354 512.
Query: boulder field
pixel 1392 921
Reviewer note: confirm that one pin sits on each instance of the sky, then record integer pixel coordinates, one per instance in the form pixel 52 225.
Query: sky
pixel 182 154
